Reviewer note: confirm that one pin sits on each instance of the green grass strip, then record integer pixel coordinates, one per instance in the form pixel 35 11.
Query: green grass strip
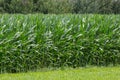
pixel 94 73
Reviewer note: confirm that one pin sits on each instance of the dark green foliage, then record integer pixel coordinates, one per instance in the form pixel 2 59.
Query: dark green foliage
pixel 96 6
pixel 60 6
pixel 105 6
pixel 116 7
pixel 53 6
pixel 78 6
pixel 29 42
pixel 19 6
pixel 39 6
pixel 1 6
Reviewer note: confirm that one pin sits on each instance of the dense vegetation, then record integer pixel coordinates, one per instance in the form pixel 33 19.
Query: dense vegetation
pixel 29 42
pixel 60 6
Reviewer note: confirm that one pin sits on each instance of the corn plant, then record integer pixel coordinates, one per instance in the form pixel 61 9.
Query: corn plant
pixel 33 41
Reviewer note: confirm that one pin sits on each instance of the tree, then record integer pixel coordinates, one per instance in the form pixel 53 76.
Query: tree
pixel 116 6
pixel 1 6
pixel 40 6
pixel 52 6
pixel 77 8
pixel 6 5
pixel 105 6
pixel 18 6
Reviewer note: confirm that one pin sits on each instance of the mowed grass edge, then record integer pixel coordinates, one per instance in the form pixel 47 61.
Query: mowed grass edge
pixel 93 73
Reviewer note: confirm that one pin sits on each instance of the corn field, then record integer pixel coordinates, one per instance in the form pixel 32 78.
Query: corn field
pixel 33 41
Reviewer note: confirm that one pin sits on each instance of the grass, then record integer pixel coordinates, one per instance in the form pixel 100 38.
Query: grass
pixel 94 73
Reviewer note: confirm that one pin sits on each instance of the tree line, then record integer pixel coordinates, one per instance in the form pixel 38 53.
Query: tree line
pixel 60 6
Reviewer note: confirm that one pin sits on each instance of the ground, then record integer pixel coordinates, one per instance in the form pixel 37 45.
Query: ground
pixel 93 73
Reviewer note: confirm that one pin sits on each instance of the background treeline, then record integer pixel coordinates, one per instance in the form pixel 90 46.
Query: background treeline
pixel 60 6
